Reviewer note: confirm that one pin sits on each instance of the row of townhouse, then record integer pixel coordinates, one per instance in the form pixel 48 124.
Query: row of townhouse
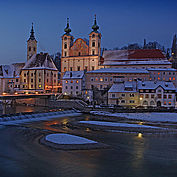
pixel 143 93
pixel 98 86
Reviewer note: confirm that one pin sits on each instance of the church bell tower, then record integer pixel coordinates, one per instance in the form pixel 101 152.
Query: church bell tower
pixel 31 44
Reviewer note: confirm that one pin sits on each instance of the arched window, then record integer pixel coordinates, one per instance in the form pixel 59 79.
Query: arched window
pixel 93 35
pixel 145 103
pixel 152 103
pixel 65 38
pixel 29 49
pixel 79 54
pixel 93 44
pixel 34 49
pixel 93 52
pixel 65 46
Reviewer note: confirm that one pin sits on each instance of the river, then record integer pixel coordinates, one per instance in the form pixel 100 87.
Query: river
pixel 21 154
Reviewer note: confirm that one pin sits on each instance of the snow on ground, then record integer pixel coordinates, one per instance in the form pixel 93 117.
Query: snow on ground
pixel 67 139
pixel 152 117
pixel 115 124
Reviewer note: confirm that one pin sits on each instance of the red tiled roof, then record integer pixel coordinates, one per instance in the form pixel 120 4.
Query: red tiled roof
pixel 145 53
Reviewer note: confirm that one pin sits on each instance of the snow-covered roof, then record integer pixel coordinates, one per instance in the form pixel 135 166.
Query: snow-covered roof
pixel 119 70
pixel 162 69
pixel 73 75
pixel 149 62
pixel 9 71
pixel 155 85
pixel 40 61
pixel 123 87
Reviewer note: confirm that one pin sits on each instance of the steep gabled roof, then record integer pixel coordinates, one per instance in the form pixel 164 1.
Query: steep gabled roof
pixel 40 61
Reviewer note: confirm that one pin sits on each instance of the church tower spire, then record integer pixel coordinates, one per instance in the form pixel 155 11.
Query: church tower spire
pixel 95 27
pixel 31 44
pixel 67 29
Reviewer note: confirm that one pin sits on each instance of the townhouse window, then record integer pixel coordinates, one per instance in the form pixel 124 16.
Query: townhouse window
pixel 77 82
pixel 31 80
pixel 122 101
pixel 132 101
pixel 39 74
pixel 165 96
pixel 64 69
pixel 101 86
pixel 101 79
pixel 113 95
pixel 169 103
pixel 105 79
pixel 29 49
pixel 71 81
pixel 34 49
pixel 91 79
pixel 96 79
pixel 146 96
pixel 159 91
pixel 123 94
pixel 159 96
pixel 141 91
pixel 78 68
pixel 169 96
pixel 110 78
pixel 31 74
pixel 132 95
pixel 77 87
pixel 165 103
pixel 54 81
pixel 66 87
pixel 152 96
pixel 77 92
pixel 71 69
pixel 66 82
pixel 16 80
pixel 47 74
pixel 54 75
pixel 71 87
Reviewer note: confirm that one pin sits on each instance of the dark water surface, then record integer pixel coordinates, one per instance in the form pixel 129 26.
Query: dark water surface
pixel 21 154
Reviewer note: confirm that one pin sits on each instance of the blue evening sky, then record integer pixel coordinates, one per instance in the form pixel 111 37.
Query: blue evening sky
pixel 121 22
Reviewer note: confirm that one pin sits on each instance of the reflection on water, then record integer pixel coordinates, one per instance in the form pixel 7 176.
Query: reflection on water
pixel 129 155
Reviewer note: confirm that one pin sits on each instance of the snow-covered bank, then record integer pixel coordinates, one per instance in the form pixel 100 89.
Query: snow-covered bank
pixel 63 138
pixel 21 119
pixel 116 124
pixel 152 117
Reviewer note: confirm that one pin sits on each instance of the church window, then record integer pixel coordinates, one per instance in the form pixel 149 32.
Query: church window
pixel 25 75
pixel 93 44
pixel 16 80
pixel 24 80
pixel 93 35
pixel 34 49
pixel 29 48
pixel 65 54
pixel 93 68
pixel 64 69
pixel 79 54
pixel 71 68
pixel 78 68
pixel 31 86
pixel 65 46
pixel 31 74
pixel 39 80
pixel 31 80
pixel 65 38
pixel 98 44
pixel 93 52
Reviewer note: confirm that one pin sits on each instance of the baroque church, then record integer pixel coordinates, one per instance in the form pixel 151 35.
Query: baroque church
pixel 81 54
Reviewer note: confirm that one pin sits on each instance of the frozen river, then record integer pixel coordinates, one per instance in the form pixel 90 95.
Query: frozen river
pixel 21 154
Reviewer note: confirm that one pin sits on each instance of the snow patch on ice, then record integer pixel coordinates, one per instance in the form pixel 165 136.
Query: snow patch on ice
pixel 116 124
pixel 67 139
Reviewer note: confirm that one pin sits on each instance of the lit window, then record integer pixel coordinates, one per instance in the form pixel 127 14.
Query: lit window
pixel 66 82
pixel 71 81
pixel 165 102
pixel 40 86
pixel 101 79
pixel 170 78
pixel 169 103
pixel 77 81
pixel 174 78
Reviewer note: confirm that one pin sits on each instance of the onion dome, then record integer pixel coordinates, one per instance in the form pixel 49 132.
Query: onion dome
pixel 67 29
pixel 95 27
pixel 32 34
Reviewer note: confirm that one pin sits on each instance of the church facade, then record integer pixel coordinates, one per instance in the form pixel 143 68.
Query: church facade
pixel 81 54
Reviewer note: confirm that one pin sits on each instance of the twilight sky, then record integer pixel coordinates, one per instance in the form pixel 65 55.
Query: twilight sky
pixel 121 22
